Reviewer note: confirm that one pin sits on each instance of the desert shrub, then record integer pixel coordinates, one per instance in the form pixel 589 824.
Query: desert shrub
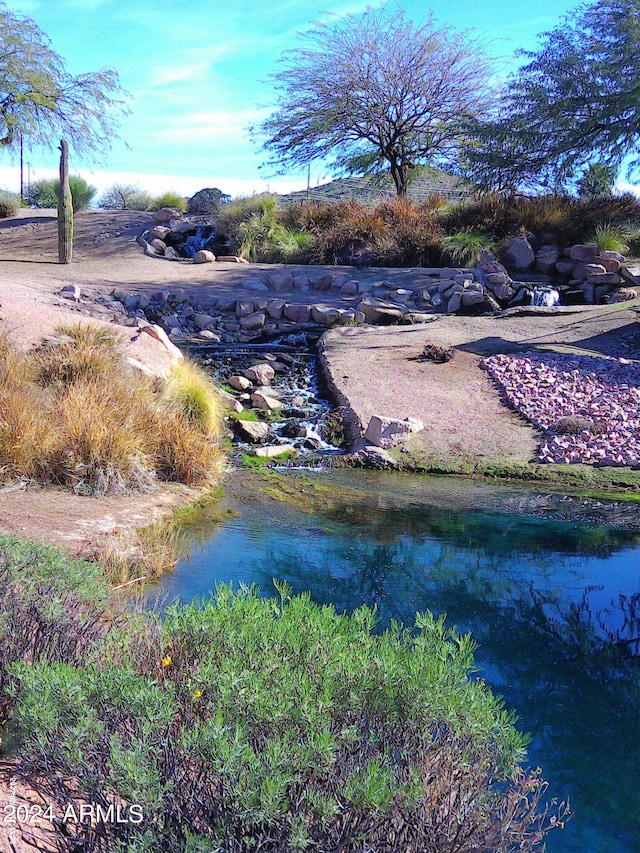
pixel 169 199
pixel 125 197
pixel 9 204
pixel 232 214
pixel 570 219
pixel 44 192
pixel 193 393
pixel 633 242
pixel 74 413
pixel 245 723
pixel 608 237
pixel 50 609
pixel 464 248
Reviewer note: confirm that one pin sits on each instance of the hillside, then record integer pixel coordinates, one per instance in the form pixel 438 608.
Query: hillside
pixel 374 189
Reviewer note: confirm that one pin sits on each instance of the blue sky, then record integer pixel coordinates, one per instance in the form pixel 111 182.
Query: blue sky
pixel 198 73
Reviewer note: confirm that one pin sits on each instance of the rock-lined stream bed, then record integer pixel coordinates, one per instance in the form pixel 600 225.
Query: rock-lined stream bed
pixel 276 405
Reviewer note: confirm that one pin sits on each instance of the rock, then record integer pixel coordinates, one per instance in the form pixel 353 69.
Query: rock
pixel 205 201
pixel 260 374
pixel 165 214
pixel 565 268
pixel 589 292
pixel 582 271
pixel 379 313
pixel 178 295
pixel 454 302
pixel 324 315
pixel 293 430
pixel 171 254
pixel 232 259
pixel 170 321
pixel 210 336
pixel 349 288
pixel 253 322
pixel 610 278
pixel 265 402
pixel 518 254
pixel 226 303
pixel 177 333
pixel 472 297
pixel 584 254
pixel 609 254
pixel 243 308
pixel 622 294
pixel 159 232
pixel 279 281
pixel 159 296
pixel 71 291
pixel 436 300
pixel 255 285
pixel 371 456
pixel 296 312
pixel 269 451
pixel 496 278
pixel 445 284
pixel 158 246
pixel 321 282
pixel 240 383
pixel 275 308
pixel 203 321
pixel 385 432
pixel 203 256
pixel 609 264
pixel 253 431
pixel 546 259
pixel 230 401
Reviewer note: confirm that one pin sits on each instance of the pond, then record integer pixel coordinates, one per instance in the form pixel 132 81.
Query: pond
pixel 550 592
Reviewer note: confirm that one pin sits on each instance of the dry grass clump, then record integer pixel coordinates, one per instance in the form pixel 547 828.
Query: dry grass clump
pixel 72 413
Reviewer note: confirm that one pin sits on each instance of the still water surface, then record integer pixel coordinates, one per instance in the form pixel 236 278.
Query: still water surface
pixel 550 593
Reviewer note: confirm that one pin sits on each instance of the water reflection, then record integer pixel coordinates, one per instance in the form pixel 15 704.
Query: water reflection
pixel 554 604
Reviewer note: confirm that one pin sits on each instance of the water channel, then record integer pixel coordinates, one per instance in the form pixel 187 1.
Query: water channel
pixel 548 585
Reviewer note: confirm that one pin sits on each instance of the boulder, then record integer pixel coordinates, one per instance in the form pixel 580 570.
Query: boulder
pixel 166 214
pixel 240 383
pixel 385 432
pixel 203 256
pixel 583 271
pixel 378 312
pixel 260 374
pixel 158 246
pixel 71 291
pixel 269 451
pixel 275 308
pixel 584 254
pixel 279 281
pixel 243 308
pixel 622 294
pixel 253 431
pixel 518 254
pixel 565 268
pixel 324 315
pixel 230 401
pixel 454 302
pixel 349 288
pixel 370 456
pixel 203 321
pixel 256 285
pixel 321 282
pixel 160 232
pixel 472 297
pixel 610 278
pixel 252 322
pixel 546 259
pixel 296 312
pixel 178 295
pixel 232 259
pixel 265 402
pixel 610 264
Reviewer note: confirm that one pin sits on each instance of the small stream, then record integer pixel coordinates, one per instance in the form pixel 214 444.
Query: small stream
pixel 549 587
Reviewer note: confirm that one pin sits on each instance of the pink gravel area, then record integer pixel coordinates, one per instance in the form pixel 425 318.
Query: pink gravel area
pixel 605 392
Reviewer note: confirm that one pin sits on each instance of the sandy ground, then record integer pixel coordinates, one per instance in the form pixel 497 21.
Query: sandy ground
pixel 377 371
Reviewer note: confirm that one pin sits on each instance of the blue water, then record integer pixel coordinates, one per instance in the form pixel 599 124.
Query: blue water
pixel 550 593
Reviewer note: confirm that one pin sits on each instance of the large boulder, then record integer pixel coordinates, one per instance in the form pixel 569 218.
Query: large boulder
pixel 518 254
pixel 260 374
pixel 166 214
pixel 379 313
pixel 206 201
pixel 385 432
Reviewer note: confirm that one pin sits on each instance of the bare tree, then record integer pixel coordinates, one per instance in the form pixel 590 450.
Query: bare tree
pixel 374 92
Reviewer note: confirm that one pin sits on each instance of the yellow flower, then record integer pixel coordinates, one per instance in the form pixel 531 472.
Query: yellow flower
pixel 166 661
pixel 197 694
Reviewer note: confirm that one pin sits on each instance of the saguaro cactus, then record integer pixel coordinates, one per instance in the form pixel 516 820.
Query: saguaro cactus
pixel 65 208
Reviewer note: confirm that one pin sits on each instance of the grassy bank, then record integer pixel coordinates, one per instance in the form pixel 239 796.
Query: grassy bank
pixel 245 722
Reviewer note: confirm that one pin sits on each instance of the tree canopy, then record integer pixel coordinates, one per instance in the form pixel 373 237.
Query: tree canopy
pixel 376 91
pixel 41 101
pixel 575 102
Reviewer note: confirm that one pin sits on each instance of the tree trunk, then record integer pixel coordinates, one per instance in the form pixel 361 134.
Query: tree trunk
pixel 400 175
pixel 65 208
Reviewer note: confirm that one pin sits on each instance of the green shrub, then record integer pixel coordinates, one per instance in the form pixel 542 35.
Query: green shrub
pixel 44 192
pixel 169 199
pixel 608 237
pixel 192 392
pixel 125 197
pixel 464 248
pixel 9 204
pixel 244 724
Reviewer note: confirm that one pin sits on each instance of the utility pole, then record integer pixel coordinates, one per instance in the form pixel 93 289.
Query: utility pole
pixel 308 182
pixel 21 171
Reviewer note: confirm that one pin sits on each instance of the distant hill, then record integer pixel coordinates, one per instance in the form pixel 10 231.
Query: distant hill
pixel 375 189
